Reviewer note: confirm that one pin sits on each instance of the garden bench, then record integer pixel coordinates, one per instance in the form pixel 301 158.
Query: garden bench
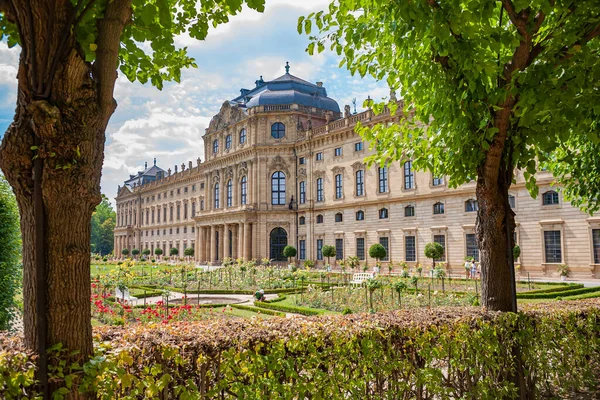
pixel 124 296
pixel 361 277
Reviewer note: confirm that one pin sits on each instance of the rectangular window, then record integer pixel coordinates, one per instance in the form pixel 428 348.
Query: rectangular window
pixel 358 146
pixel 596 245
pixel 438 181
pixel 302 245
pixel 441 239
pixel 178 212
pixel 385 242
pixel 320 194
pixel 319 249
pixel 185 211
pixel 185 229
pixel 193 188
pixel 409 176
pixel 152 216
pixel 360 248
pixel 319 156
pixel 339 249
pixel 165 214
pixel 178 191
pixel 185 189
pixel 360 182
pixel 472 249
pixel 383 179
pixel 201 205
pixel 511 201
pixel 338 186
pixel 410 248
pixel 302 192
pixel 301 161
pixel 337 151
pixel 552 248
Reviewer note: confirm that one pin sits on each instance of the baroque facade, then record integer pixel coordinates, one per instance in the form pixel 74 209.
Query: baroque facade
pixel 284 166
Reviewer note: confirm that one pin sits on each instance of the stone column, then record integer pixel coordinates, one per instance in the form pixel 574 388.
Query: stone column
pixel 255 242
pixel 247 241
pixel 234 246
pixel 240 243
pixel 212 253
pixel 226 240
pixel 199 243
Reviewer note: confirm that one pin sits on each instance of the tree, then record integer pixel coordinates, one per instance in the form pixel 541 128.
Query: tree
pixel 434 250
pixel 158 251
pixel 135 252
pixel 174 251
pixel 289 252
pixel 10 254
pixel 189 252
pixel 71 50
pixel 328 251
pixel 488 88
pixel 146 252
pixel 103 225
pixel 377 251
pixel 125 252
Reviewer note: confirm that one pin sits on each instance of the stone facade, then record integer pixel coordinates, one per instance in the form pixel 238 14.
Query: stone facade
pixel 294 173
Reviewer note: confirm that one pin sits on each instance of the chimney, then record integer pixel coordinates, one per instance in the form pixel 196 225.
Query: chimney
pixel 320 84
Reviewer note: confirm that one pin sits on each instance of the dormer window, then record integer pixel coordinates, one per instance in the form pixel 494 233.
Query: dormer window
pixel 215 146
pixel 278 130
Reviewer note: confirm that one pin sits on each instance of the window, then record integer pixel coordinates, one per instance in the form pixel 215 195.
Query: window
pixel 165 214
pixel 228 142
pixel 549 198
pixel 217 195
pixel 193 209
pixel 339 217
pixel 157 216
pixel 302 192
pixel 185 189
pixel 319 249
pixel 185 229
pixel 471 205
pixel 438 208
pixel 472 249
pixel 243 136
pixel 552 248
pixel 302 245
pixel 360 248
pixel 339 249
pixel 360 215
pixel 385 242
pixel 202 185
pixel 278 130
pixel 170 231
pixel 185 211
pixel 596 245
pixel 441 239
pixel 320 195
pixel 215 149
pixel 511 201
pixel 383 179
pixel 171 213
pixel 338 186
pixel 171 193
pixel 302 161
pixel 193 189
pixel 278 188
pixel 229 193
pixel 152 216
pixel 410 248
pixel 360 182
pixel 337 151
pixel 193 229
pixel 201 205
pixel 383 213
pixel 244 190
pixel 319 219
pixel 178 212
pixel 438 181
pixel 409 176
pixel 319 156
pixel 177 231
pixel 302 221
pixel 178 191
pixel 358 146
pixel 409 211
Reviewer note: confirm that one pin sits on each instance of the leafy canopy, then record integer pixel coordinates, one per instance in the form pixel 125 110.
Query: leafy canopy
pixel 434 250
pixel 454 64
pixel 148 51
pixel 289 251
pixel 328 251
pixel 377 251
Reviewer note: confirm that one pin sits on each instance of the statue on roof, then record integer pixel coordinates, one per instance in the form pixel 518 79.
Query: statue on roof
pixel 346 111
pixel 287 67
pixel 393 98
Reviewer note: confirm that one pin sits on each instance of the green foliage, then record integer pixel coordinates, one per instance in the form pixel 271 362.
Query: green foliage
pixel 562 293
pixel 516 251
pixel 146 252
pixel 309 264
pixel 135 252
pixel 103 225
pixel 290 309
pixel 173 251
pixel 258 310
pixel 399 286
pixel 377 251
pixel 289 251
pixel 158 251
pixel 188 252
pixel 520 77
pixel 125 252
pixel 10 255
pixel 346 311
pixel 328 251
pixel 434 250
pixel 563 270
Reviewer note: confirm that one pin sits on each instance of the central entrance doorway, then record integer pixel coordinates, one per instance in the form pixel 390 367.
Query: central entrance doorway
pixel 278 242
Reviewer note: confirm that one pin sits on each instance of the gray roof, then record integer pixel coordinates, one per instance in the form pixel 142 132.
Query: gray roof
pixel 146 176
pixel 287 89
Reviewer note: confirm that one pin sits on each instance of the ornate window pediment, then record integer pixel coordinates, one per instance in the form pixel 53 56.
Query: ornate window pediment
pixel 338 170
pixel 319 174
pixel 357 166
pixel 279 164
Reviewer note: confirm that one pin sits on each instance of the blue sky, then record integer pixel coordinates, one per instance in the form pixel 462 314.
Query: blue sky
pixel 169 124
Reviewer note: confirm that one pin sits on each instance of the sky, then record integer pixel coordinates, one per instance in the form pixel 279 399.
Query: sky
pixel 169 124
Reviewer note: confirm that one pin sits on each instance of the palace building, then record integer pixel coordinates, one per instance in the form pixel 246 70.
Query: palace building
pixel 284 166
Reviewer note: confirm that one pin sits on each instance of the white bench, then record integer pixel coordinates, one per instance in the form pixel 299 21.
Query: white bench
pixel 124 296
pixel 361 277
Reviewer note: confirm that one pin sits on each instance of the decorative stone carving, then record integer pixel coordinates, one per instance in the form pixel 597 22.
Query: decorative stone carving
pixel 319 174
pixel 229 173
pixel 216 177
pixel 302 172
pixel 198 161
pixel 190 165
pixel 357 166
pixel 279 164
pixel 393 98
pixel 243 169
pixel 229 114
pixel 338 170
pixel 309 122
pixel 169 172
pixel 346 111
pixel 182 167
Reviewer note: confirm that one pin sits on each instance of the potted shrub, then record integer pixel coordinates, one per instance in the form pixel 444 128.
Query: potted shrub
pixel 328 251
pixel 434 250
pixel 158 252
pixel 377 251
pixel 289 252
pixel 563 271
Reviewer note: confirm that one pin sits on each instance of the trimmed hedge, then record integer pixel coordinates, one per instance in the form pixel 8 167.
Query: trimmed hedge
pixel 257 309
pixel 225 291
pixel 289 309
pixel 279 298
pixel 563 294
pixel 592 295
pixel 443 353
pixel 561 288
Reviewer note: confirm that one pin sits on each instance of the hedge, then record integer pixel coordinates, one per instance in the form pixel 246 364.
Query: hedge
pixel 583 296
pixel 226 291
pixel 563 294
pixel 257 310
pixel 443 353
pixel 561 288
pixel 289 309
pixel 279 298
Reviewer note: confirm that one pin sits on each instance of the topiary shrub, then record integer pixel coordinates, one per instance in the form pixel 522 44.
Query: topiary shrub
pixel 289 252
pixel 434 250
pixel 378 252
pixel 328 251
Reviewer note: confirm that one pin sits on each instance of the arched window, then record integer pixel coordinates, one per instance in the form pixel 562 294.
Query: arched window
pixel 319 219
pixel 244 190
pixel 338 187
pixel 471 205
pixel 383 213
pixel 360 215
pixel 438 208
pixel 228 142
pixel 215 146
pixel 409 176
pixel 302 221
pixel 339 217
pixel 278 130
pixel 360 182
pixel 549 198
pixel 409 211
pixel 217 195
pixel 278 243
pixel 229 193
pixel 278 188
pixel 320 195
pixel 243 136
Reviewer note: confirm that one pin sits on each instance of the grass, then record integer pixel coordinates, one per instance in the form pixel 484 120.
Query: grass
pixel 290 300
pixel 241 313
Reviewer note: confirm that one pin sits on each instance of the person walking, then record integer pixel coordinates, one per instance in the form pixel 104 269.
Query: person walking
pixel 473 270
